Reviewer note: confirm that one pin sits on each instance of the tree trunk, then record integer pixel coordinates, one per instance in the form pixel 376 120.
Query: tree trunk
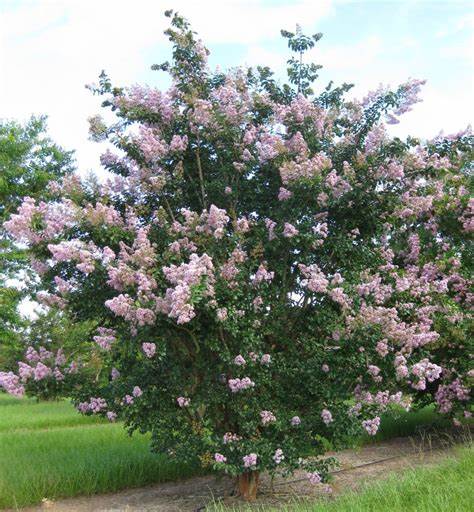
pixel 247 484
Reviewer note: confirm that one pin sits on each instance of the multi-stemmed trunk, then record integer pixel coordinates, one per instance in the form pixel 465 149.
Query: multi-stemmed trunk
pixel 247 485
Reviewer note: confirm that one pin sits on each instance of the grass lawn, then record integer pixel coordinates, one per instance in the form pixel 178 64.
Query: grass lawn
pixel 446 487
pixel 48 450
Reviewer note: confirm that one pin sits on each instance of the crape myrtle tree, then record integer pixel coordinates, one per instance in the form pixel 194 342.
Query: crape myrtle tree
pixel 29 159
pixel 55 357
pixel 268 267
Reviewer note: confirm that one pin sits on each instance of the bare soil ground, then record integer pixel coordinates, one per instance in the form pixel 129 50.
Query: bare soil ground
pixel 358 466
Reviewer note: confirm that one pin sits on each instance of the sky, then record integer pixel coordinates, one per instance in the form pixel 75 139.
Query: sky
pixel 49 50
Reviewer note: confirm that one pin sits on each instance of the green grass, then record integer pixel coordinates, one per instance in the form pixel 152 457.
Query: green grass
pixel 27 414
pixel 446 487
pixel 48 450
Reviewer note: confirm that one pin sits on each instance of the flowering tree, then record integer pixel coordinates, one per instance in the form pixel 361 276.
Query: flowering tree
pixel 29 159
pixel 268 267
pixel 55 357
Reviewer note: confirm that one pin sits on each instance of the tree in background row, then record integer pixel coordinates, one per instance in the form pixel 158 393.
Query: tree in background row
pixel 29 160
pixel 267 266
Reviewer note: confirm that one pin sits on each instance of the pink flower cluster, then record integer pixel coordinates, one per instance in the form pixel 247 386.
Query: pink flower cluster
pixel 278 457
pixel 105 337
pixel 214 222
pixel 52 217
pixel 95 405
pixel 447 394
pixel 263 275
pixel 299 110
pixel 40 364
pixel 183 401
pixel 304 168
pixel 250 460
pixel 11 384
pixel 239 360
pixel 218 457
pixel 176 303
pixel 295 421
pixel 425 371
pixel 371 426
pixel 315 280
pixel 237 385
pixel 149 349
pixel 229 437
pixel 146 98
pixel 326 416
pixel 267 417
pixel 289 231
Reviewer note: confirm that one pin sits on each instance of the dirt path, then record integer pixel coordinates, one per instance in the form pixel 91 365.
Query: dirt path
pixel 357 466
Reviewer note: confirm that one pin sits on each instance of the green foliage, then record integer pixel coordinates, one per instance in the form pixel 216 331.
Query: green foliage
pixel 300 74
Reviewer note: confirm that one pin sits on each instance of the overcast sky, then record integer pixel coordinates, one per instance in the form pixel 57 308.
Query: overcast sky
pixel 49 49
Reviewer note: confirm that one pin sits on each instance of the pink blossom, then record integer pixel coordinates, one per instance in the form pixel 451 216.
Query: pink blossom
pixel 239 360
pixel 270 225
pixel 11 384
pixel 284 194
pixel 371 426
pixel 229 437
pixel 289 231
pixel 128 400
pixel 105 337
pixel 149 349
pixel 97 404
pixel 221 314
pixel 41 371
pixel 218 457
pixel 267 417
pixel 146 98
pixel 326 416
pixel 250 460
pixel 262 274
pixel 183 401
pixel 293 170
pixel 217 219
pixel 295 421
pixel 237 385
pixel 178 143
pixel 243 225
pixel 315 280
pixel 32 355
pixel 382 348
pixel 278 457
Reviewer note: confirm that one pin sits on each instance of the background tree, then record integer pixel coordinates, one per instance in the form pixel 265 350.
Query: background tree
pixel 29 160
